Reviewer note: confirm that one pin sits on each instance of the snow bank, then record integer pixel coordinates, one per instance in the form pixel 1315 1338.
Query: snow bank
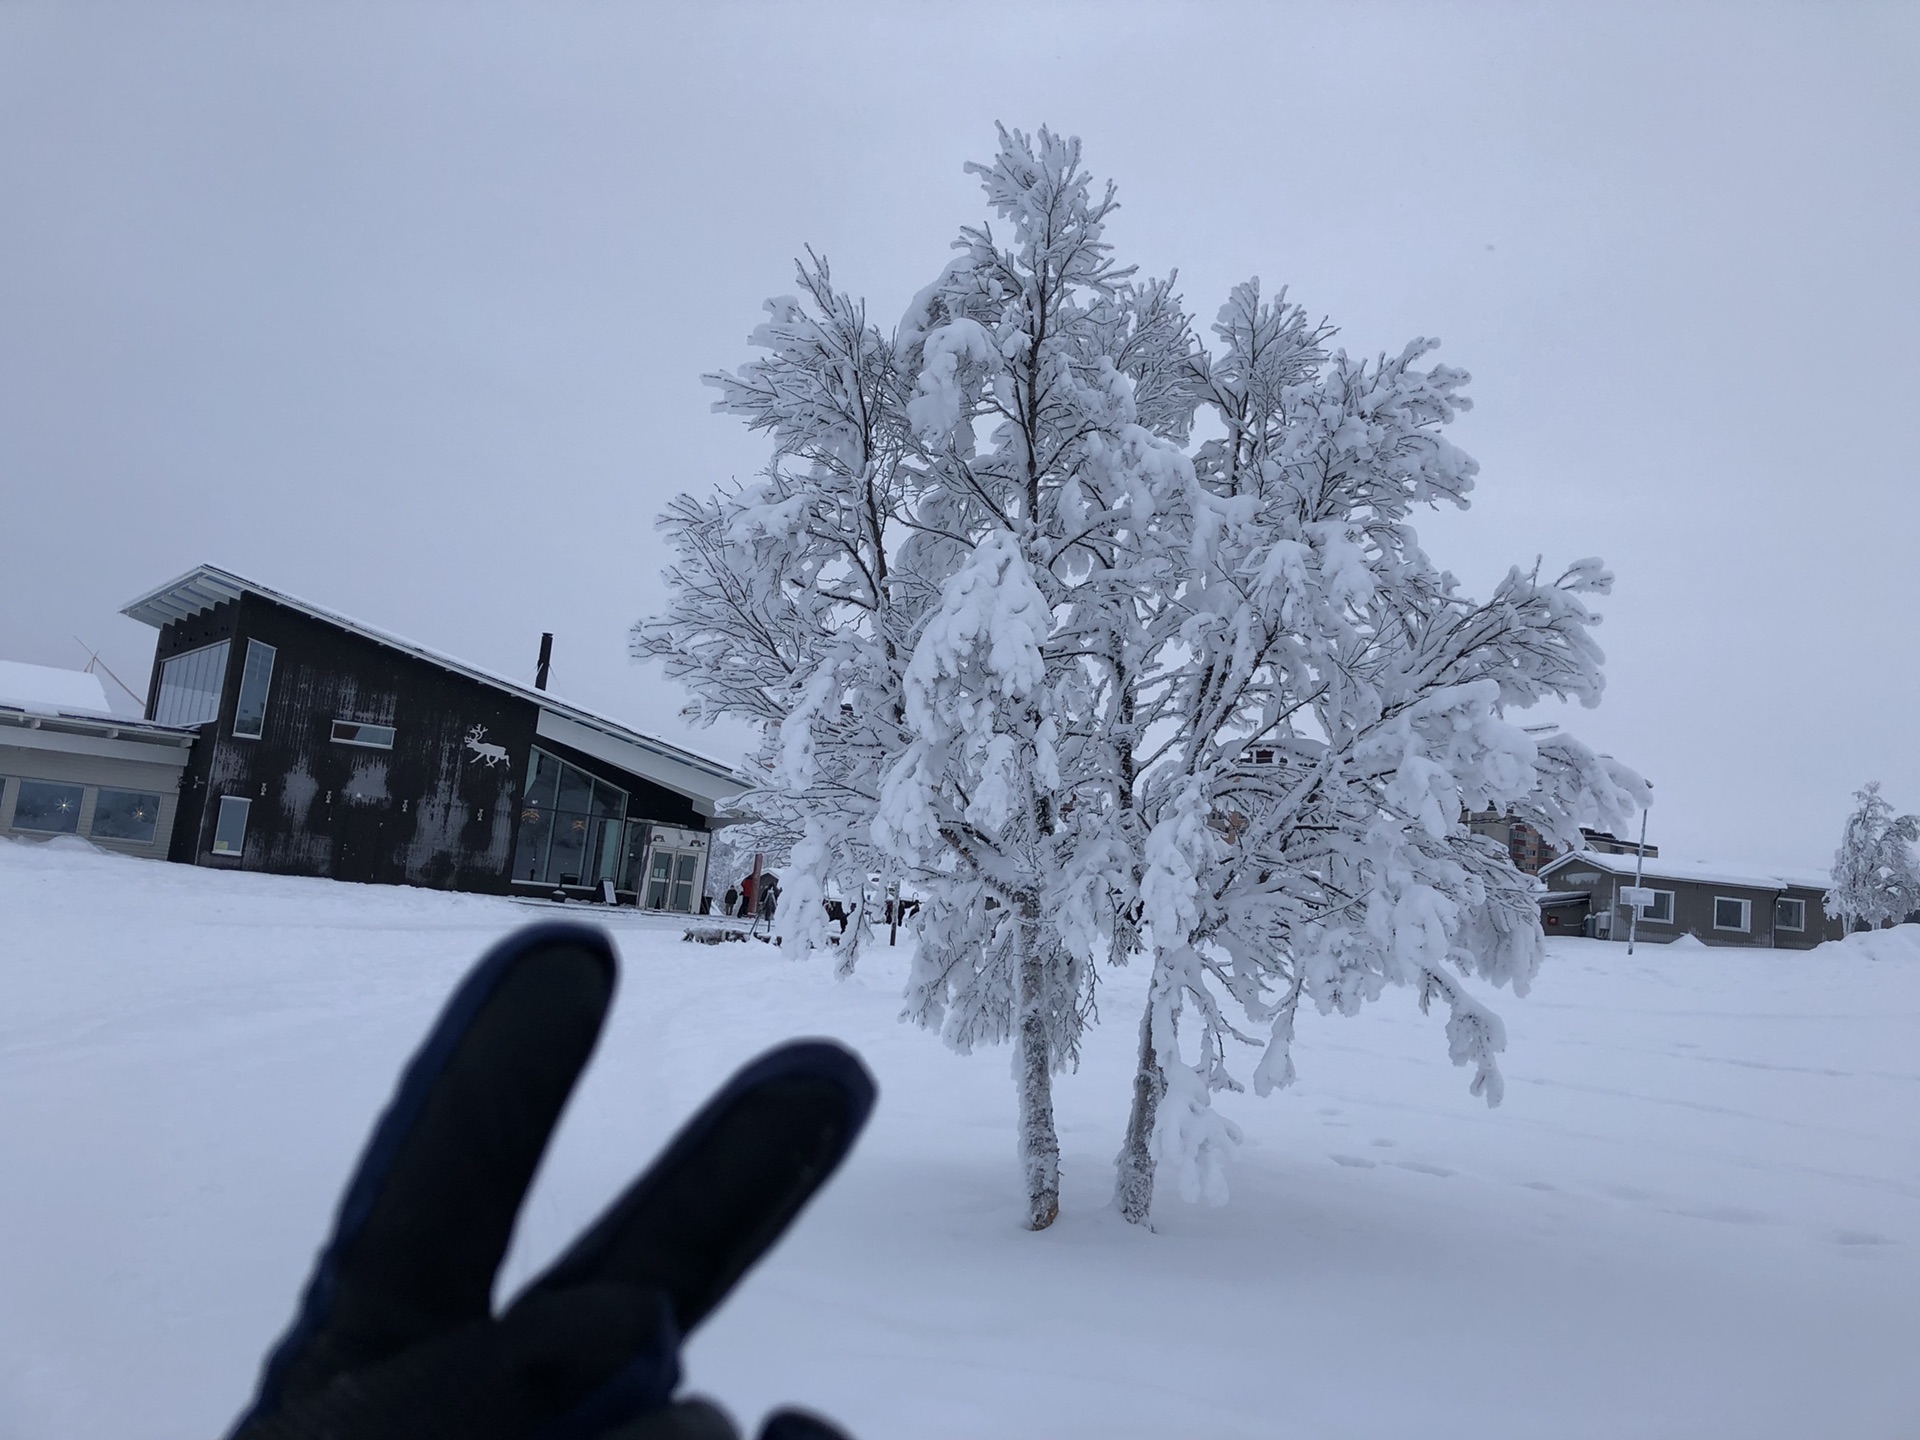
pixel 1697 1214
pixel 1901 944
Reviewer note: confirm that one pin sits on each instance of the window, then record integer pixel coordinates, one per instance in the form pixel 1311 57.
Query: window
pixel 125 815
pixel 1789 914
pixel 230 830
pixel 571 825
pixel 48 807
pixel 251 711
pixel 190 686
pixel 1658 910
pixel 1731 914
pixel 352 732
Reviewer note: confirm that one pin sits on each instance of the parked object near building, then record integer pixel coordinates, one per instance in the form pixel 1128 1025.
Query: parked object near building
pixel 1590 892
pixel 70 766
pixel 326 747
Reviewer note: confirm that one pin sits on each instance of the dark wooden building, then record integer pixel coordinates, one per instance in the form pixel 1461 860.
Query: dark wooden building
pixel 326 747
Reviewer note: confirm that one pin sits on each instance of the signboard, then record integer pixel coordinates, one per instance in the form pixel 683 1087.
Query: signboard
pixel 1636 895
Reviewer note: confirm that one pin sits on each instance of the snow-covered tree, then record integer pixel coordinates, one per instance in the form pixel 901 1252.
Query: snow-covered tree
pixel 1876 879
pixel 1330 705
pixel 1100 693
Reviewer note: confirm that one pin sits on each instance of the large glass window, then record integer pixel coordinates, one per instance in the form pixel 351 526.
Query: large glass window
pixel 48 807
pixel 571 825
pixel 125 815
pixel 250 713
pixel 230 830
pixel 1789 914
pixel 1731 914
pixel 190 686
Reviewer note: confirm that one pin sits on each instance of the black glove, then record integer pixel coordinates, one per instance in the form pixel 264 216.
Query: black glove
pixel 396 1338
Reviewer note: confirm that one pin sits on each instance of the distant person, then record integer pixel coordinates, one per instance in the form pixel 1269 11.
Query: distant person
pixel 730 902
pixel 769 896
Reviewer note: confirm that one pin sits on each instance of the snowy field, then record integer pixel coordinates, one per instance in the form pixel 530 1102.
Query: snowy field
pixel 1697 1214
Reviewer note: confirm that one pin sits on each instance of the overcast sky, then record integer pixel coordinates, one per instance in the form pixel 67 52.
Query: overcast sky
pixel 403 309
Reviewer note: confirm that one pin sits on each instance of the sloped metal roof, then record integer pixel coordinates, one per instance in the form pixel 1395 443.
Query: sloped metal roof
pixel 206 586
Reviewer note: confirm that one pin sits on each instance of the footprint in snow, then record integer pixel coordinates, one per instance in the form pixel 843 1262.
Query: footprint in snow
pixel 1415 1165
pixel 1386 1143
pixel 1358 1162
pixel 1725 1214
pixel 1861 1237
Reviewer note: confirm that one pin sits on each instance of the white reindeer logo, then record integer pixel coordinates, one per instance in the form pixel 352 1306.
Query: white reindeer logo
pixel 479 749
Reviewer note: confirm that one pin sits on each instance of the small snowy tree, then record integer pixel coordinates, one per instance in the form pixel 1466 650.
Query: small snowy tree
pixel 1875 878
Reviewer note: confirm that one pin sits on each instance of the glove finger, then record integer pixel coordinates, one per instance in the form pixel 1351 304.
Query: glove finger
pixel 684 1420
pixel 535 1374
pixel 800 1425
pixel 426 1219
pixel 730 1182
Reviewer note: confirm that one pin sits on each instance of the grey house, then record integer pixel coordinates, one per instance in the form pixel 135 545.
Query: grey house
pixel 1586 894
pixel 70 766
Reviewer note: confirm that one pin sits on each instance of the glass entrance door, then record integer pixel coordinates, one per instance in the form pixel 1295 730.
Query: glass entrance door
pixel 673 880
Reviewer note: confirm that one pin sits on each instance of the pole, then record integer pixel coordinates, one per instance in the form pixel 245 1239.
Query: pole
pixel 753 920
pixel 1639 869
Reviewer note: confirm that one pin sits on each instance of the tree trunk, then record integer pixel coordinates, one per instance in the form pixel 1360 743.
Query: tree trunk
pixel 1033 1074
pixel 1133 1180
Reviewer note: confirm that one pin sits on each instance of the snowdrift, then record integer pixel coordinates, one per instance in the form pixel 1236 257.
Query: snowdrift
pixel 1697 1213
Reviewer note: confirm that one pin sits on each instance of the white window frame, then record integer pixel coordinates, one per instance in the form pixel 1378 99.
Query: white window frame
pixel 1647 917
pixel 1745 927
pixel 339 739
pixel 261 649
pixel 220 821
pixel 1780 900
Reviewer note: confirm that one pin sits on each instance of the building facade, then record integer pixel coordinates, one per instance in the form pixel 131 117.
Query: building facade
pixel 1588 893
pixel 1528 848
pixel 324 747
pixel 69 766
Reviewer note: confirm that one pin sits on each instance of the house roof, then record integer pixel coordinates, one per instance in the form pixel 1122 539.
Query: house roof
pixel 46 690
pixel 703 778
pixel 1682 870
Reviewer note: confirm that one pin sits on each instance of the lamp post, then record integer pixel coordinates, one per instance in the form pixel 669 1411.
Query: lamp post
pixel 1639 869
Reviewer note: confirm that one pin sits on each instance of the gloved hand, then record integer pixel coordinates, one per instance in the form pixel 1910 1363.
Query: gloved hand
pixel 396 1338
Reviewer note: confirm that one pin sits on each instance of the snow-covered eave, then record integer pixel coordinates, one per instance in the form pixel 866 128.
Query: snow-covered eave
pixel 112 726
pixel 206 586
pixel 1622 866
pixel 59 732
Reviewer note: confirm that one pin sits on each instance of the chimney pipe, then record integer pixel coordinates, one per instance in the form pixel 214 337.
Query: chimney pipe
pixel 546 661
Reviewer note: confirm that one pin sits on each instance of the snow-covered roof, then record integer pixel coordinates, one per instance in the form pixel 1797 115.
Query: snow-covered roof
pixel 1698 872
pixel 700 776
pixel 45 690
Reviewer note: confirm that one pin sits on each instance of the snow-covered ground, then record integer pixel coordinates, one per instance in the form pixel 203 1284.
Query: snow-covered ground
pixel 1697 1214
